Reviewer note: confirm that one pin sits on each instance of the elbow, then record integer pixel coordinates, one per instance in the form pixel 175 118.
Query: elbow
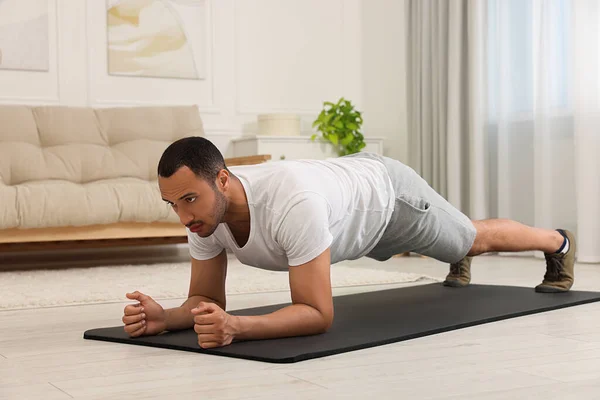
pixel 326 327
pixel 327 322
pixel 314 320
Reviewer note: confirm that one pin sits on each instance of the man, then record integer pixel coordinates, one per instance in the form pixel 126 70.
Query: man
pixel 303 216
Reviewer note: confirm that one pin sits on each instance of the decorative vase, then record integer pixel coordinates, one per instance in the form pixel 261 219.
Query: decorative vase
pixel 279 124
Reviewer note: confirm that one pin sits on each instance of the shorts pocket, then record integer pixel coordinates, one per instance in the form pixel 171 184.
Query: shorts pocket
pixel 416 203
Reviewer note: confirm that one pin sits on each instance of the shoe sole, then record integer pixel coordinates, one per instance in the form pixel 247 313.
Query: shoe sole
pixel 454 284
pixel 550 289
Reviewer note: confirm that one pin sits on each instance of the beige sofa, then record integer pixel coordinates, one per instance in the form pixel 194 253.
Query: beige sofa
pixel 87 176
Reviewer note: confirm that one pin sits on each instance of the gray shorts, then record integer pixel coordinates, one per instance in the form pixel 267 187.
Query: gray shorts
pixel 423 222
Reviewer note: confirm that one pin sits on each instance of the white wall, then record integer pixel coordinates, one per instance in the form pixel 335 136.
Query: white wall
pixel 384 80
pixel 261 56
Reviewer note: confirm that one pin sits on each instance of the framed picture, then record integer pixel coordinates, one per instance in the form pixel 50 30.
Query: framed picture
pixel 156 38
pixel 24 35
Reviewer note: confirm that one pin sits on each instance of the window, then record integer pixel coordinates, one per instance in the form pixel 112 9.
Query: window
pixel 527 47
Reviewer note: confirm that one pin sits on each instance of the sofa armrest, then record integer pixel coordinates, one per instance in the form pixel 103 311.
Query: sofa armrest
pixel 247 160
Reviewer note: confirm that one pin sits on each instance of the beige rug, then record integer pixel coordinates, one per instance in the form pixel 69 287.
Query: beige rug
pixel 52 288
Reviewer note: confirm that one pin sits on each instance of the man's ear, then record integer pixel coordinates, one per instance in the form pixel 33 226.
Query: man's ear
pixel 223 179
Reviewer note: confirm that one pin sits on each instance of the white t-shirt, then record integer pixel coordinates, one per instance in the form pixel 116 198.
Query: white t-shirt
pixel 299 208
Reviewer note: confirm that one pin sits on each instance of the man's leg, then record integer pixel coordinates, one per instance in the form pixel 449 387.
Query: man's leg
pixel 503 235
pixel 425 223
pixel 495 235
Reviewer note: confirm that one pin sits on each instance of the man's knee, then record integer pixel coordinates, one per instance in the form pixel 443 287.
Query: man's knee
pixel 477 249
pixel 481 243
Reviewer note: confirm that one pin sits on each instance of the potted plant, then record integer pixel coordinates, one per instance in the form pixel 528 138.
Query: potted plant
pixel 340 125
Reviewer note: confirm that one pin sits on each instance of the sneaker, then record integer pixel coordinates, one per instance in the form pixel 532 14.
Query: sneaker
pixel 560 269
pixel 460 273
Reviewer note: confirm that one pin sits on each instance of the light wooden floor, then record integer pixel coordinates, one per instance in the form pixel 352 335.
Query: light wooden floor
pixel 554 355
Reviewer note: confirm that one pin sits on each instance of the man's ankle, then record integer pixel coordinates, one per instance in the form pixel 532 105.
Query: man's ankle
pixel 562 243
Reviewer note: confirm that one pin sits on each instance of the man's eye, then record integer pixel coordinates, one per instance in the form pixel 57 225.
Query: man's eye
pixel 190 199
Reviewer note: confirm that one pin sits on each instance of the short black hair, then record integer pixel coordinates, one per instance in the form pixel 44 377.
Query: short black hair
pixel 197 153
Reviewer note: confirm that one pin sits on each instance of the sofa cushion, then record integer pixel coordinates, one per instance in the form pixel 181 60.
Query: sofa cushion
pixel 60 126
pixel 18 125
pixel 161 124
pixel 77 163
pixel 9 217
pixel 83 145
pixel 70 166
pixel 57 203
pixel 18 130
pixel 143 133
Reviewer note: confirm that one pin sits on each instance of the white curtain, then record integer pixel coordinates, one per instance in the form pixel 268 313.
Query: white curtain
pixel 445 100
pixel 511 110
pixel 430 73
pixel 585 49
pixel 542 104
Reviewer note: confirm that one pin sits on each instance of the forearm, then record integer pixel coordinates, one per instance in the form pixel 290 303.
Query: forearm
pixel 294 320
pixel 181 317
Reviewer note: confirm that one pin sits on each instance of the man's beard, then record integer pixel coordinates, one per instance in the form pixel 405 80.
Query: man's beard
pixel 218 212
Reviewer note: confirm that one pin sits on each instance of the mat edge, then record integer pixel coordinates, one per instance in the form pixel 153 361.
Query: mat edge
pixel 326 353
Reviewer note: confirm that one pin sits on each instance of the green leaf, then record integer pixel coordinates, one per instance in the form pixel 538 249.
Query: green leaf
pixel 313 137
pixel 347 140
pixel 339 124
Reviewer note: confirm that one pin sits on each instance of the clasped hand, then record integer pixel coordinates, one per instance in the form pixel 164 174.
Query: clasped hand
pixel 215 327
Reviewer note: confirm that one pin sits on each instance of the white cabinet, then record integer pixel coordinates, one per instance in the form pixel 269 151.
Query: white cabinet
pixel 293 147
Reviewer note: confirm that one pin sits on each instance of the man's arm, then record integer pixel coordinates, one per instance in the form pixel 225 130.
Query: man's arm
pixel 207 284
pixel 311 311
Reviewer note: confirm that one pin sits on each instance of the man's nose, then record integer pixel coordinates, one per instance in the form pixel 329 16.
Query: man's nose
pixel 186 218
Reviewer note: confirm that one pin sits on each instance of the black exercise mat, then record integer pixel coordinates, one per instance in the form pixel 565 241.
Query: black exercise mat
pixel 374 318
